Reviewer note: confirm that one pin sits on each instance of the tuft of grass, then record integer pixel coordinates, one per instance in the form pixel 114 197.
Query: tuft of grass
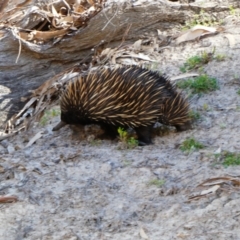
pixel 222 125
pixel 191 63
pixel 48 115
pixel 123 135
pixel 231 159
pixel 220 57
pixel 232 10
pixel 190 144
pixel 129 142
pixel 194 115
pixel 197 61
pixel 201 84
pixel 127 163
pixel 203 18
pixel 95 142
pixel 205 107
pixel 238 91
pixel 156 182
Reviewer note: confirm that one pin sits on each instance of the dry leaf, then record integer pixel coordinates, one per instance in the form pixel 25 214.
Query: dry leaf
pixel 2 170
pixel 54 12
pixel 45 36
pixel 34 139
pixel 223 183
pixel 143 234
pixel 127 61
pixel 195 32
pixel 210 190
pixel 8 199
pixel 140 56
pixel 218 151
pixel 219 180
pixel 27 105
pixel 184 75
pixel 137 45
pixel 231 39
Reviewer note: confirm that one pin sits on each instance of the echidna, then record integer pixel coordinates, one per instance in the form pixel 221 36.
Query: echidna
pixel 124 97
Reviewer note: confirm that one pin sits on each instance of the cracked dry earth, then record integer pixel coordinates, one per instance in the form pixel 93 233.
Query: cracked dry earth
pixel 71 188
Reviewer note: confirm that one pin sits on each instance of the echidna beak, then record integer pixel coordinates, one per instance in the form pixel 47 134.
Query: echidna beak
pixel 59 125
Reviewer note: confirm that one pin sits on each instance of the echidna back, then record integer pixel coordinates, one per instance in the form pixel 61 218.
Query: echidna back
pixel 126 96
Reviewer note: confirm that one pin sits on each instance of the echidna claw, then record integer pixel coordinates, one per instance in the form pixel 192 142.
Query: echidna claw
pixel 59 126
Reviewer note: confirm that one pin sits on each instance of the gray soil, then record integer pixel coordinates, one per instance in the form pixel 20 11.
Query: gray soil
pixel 73 187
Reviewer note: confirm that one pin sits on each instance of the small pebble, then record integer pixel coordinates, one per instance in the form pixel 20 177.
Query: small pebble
pixel 4 143
pixel 10 149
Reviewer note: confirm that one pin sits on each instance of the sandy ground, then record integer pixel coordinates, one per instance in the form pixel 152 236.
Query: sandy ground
pixel 71 188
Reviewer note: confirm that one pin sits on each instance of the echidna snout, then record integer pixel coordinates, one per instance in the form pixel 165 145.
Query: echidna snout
pixel 124 97
pixel 184 127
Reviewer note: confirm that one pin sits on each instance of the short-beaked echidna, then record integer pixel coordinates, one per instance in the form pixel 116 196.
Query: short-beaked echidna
pixel 124 97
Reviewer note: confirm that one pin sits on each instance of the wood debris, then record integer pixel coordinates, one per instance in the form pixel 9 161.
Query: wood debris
pixel 213 185
pixel 196 32
pixel 51 21
pixel 8 199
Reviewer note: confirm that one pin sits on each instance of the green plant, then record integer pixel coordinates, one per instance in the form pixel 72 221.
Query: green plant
pixel 127 163
pixel 48 115
pixel 201 84
pixel 122 134
pixel 220 57
pixel 190 144
pixel 156 182
pixel 202 18
pixel 205 107
pixel 191 63
pixel 238 91
pixel 231 159
pixel 95 142
pixel 197 61
pixel 130 142
pixel 194 115
pixel 232 10
pixel 236 77
pixel 222 125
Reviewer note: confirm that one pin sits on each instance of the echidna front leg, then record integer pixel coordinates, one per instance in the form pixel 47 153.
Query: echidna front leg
pixel 109 130
pixel 144 135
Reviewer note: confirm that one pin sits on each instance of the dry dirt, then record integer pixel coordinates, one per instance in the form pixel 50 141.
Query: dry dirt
pixel 69 188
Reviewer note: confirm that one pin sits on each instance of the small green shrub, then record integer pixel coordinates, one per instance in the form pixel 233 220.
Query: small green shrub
pixel 48 115
pixel 191 63
pixel 194 115
pixel 222 125
pixel 205 107
pixel 156 182
pixel 220 57
pixel 129 142
pixel 231 159
pixel 197 61
pixel 232 10
pixel 203 18
pixel 201 84
pixel 122 134
pixel 190 144
pixel 95 142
